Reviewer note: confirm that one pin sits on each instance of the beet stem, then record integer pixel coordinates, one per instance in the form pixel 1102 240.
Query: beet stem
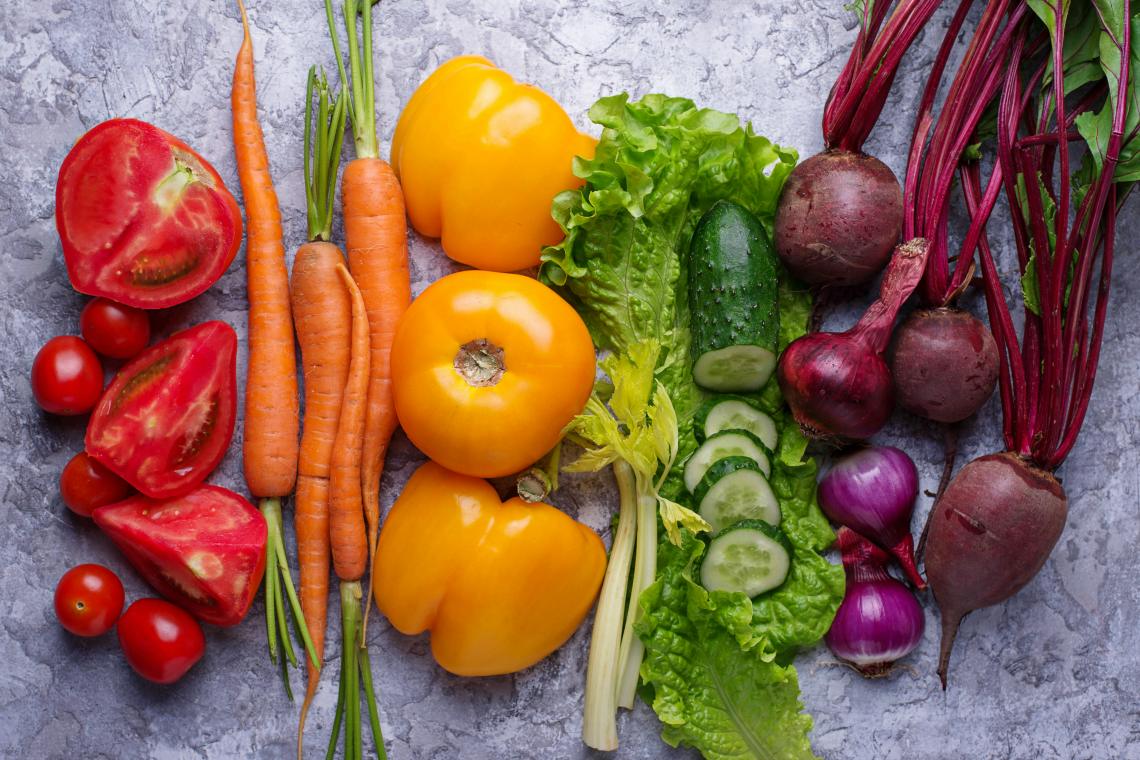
pixel 950 623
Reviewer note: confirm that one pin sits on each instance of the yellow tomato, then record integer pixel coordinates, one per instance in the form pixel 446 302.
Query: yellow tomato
pixel 480 158
pixel 499 585
pixel 487 369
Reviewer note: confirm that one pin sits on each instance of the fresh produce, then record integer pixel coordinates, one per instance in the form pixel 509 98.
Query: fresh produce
pixel 499 585
pixel 708 666
pixel 67 377
pixel 166 419
pixel 872 491
pixel 480 156
pixel 160 641
pixel 272 422
pixel 838 385
pixel 749 558
pixel 88 600
pixel 879 621
pixel 346 507
pixel 735 489
pixel 85 485
pixel 376 241
pixel 841 211
pixel 733 413
pixel 144 220
pixel 204 550
pixel 1003 513
pixel 322 314
pixel 487 370
pixel 726 443
pixel 732 297
pixel 114 329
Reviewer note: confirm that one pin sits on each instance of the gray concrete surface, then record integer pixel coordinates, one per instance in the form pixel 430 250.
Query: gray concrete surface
pixel 1051 674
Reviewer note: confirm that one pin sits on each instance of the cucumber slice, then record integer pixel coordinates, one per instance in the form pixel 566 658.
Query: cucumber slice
pixel 733 413
pixel 736 369
pixel 734 489
pixel 727 443
pixel 751 557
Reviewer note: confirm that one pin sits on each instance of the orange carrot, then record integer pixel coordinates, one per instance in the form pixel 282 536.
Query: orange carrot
pixel 272 420
pixel 322 311
pixel 346 515
pixel 376 240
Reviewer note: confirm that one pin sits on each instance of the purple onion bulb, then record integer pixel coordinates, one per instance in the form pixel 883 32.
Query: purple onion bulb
pixel 872 492
pixel 879 620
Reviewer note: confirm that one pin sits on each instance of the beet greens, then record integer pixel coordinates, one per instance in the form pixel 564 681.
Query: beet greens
pixel 1002 514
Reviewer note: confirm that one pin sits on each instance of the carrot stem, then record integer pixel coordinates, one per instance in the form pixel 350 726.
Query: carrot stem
pixel 370 697
pixel 336 722
pixel 270 582
pixel 294 602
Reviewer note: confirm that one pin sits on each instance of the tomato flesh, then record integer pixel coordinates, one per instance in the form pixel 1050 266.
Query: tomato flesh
pixel 86 485
pixel 88 600
pixel 144 220
pixel 114 329
pixel 67 376
pixel 204 551
pixel 160 641
pixel 166 419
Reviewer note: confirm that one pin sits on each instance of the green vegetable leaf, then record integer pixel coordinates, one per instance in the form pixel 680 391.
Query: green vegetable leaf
pixel 711 694
pixel 1096 128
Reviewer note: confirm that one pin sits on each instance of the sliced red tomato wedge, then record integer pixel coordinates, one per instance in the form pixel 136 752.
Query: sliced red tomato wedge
pixel 144 220
pixel 167 418
pixel 204 550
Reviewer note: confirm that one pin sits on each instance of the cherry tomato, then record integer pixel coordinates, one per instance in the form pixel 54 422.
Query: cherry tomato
pixel 142 218
pixel 114 329
pixel 168 416
pixel 67 377
pixel 86 485
pixel 161 641
pixel 88 600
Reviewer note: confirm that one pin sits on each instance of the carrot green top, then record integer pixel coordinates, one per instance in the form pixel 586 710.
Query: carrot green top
pixel 320 171
pixel 362 95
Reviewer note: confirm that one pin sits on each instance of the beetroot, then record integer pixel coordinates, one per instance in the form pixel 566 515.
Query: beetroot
pixel 995 526
pixel 837 385
pixel 841 212
pixel 838 219
pixel 944 362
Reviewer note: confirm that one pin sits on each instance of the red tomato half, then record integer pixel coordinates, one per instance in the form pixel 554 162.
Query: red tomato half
pixel 166 419
pixel 86 485
pixel 144 220
pixel 88 600
pixel 67 377
pixel 160 641
pixel 204 551
pixel 114 329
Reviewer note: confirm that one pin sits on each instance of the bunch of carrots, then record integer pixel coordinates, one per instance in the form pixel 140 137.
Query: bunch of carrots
pixel 345 319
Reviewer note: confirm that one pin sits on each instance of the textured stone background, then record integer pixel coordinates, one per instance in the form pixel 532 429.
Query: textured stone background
pixel 1050 674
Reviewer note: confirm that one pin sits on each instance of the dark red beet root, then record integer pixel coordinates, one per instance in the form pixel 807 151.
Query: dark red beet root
pixel 996 524
pixel 844 391
pixel 945 363
pixel 839 218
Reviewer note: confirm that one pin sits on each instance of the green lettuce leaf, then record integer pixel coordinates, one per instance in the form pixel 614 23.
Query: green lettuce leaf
pixel 709 693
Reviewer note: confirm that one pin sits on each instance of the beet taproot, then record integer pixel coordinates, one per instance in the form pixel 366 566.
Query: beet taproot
pixel 839 218
pixel 995 526
pixel 944 362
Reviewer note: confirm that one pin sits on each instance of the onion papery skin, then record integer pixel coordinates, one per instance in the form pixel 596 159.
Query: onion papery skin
pixel 872 491
pixel 944 362
pixel 879 621
pixel 837 388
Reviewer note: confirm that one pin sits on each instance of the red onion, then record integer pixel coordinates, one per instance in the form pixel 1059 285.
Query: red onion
pixel 872 492
pixel 879 620
pixel 838 385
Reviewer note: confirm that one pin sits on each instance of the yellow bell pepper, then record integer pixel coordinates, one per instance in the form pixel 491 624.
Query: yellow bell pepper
pixel 480 158
pixel 499 585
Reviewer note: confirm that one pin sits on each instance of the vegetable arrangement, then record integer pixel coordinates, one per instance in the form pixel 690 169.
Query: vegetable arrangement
pixel 688 244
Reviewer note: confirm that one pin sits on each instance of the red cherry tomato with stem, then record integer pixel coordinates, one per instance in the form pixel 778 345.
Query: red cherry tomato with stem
pixel 160 640
pixel 88 600
pixel 86 485
pixel 114 329
pixel 67 377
